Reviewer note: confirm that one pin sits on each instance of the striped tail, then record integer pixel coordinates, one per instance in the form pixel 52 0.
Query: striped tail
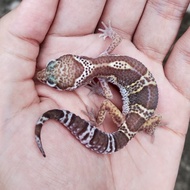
pixel 89 135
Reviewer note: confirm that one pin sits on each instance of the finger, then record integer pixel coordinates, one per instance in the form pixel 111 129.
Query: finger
pixel 26 27
pixel 21 31
pixel 76 18
pixel 124 15
pixel 33 18
pixel 159 26
pixel 177 68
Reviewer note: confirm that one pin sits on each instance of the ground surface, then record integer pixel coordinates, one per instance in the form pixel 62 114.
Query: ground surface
pixel 183 179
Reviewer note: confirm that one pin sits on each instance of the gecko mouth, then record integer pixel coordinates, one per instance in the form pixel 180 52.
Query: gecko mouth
pixel 41 76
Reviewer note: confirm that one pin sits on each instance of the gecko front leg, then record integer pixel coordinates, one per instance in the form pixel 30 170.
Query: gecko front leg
pixel 102 87
pixel 114 36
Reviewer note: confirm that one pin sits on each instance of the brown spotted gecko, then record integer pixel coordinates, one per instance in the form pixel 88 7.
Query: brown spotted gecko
pixel 136 84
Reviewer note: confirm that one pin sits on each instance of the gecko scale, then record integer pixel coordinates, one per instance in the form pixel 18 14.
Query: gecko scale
pixel 136 84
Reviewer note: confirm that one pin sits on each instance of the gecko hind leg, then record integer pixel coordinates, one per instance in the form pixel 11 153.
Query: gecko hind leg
pixel 150 125
pixel 107 106
pixel 116 115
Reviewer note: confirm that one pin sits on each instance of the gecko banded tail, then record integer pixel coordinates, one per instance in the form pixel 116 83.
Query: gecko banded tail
pixel 88 135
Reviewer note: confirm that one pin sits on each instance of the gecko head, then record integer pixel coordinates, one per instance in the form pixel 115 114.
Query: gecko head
pixel 60 73
pixel 46 75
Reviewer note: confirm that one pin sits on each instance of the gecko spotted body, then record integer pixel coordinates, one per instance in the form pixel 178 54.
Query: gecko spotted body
pixel 136 84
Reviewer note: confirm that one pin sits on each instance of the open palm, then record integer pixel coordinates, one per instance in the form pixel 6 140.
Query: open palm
pixel 38 31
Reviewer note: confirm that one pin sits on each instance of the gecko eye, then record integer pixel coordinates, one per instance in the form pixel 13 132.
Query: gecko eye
pixel 51 81
pixel 51 65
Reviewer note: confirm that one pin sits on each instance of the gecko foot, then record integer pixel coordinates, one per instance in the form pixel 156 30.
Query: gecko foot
pixel 92 115
pixel 150 125
pixel 100 88
pixel 107 31
pixel 94 88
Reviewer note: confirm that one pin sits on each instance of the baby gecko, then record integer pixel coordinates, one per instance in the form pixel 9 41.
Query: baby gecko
pixel 136 84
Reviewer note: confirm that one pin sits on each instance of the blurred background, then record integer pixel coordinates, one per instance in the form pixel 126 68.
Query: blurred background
pixel 183 178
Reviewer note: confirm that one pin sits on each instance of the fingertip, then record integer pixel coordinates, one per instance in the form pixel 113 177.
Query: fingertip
pixel 32 19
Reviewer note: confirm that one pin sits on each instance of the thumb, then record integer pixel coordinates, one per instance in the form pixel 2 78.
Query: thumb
pixel 21 32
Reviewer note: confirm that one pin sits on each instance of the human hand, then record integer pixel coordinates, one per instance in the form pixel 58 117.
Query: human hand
pixel 36 32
